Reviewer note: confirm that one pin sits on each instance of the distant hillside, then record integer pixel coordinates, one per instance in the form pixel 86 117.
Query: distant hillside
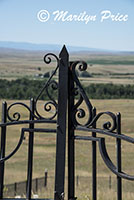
pixel 46 47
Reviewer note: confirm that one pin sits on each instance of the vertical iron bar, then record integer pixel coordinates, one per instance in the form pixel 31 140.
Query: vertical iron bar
pixel 118 142
pixel 94 158
pixel 71 147
pixel 3 147
pixel 61 125
pixel 30 153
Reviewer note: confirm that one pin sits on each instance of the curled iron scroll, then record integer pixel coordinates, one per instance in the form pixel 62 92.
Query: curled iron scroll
pixel 80 112
pixel 16 115
pixel 54 86
pixel 107 125
pixel 51 103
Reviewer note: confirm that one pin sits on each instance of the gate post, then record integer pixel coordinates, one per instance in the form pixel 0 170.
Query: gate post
pixel 94 161
pixel 3 146
pixel 61 124
pixel 71 149
pixel 118 143
pixel 30 153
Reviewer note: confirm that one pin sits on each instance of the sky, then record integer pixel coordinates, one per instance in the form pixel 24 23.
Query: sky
pixel 19 22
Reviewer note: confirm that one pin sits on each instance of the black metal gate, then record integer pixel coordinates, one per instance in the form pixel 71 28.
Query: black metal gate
pixel 71 93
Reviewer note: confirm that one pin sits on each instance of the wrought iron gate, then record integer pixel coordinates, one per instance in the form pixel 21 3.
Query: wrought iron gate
pixel 71 92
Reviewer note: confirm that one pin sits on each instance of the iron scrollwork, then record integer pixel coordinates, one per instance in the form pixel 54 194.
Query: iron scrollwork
pixel 49 105
pixel 50 84
pixel 79 111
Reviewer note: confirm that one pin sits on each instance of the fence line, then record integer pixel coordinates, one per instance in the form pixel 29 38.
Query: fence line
pixel 44 186
pixel 46 183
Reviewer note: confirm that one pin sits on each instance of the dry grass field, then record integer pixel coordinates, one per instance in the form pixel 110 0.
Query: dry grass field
pixel 44 154
pixel 18 64
pixel 104 68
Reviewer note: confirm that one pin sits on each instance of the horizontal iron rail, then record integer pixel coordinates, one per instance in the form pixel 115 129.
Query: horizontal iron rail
pixel 101 131
pixel 27 122
pixel 77 137
pixel 44 130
